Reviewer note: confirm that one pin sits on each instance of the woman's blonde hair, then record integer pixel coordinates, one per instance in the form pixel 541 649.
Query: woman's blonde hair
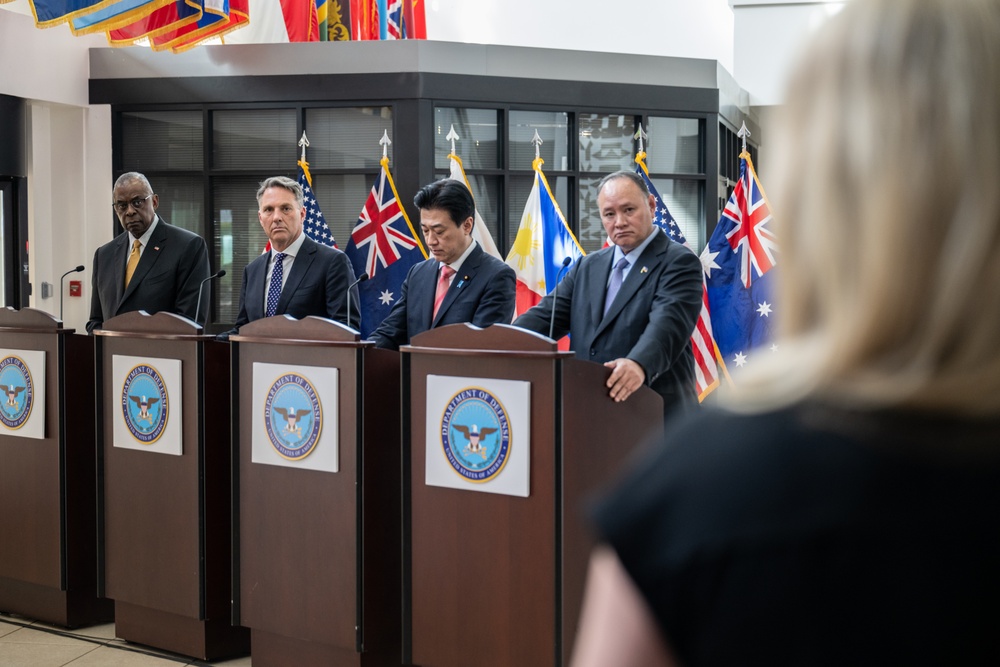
pixel 887 199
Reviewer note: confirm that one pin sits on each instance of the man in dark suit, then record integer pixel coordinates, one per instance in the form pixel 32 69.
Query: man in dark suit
pixel 633 305
pixel 153 267
pixel 298 277
pixel 460 283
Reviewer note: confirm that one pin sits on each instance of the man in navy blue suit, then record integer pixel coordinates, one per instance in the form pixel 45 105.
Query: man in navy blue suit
pixel 633 305
pixel 298 277
pixel 460 283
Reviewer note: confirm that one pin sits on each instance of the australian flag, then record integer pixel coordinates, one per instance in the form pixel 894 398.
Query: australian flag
pixel 315 225
pixel 383 245
pixel 738 262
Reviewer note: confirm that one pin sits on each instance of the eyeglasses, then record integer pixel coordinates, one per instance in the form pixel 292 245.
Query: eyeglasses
pixel 136 203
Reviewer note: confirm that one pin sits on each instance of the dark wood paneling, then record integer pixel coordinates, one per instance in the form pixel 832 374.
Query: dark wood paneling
pixel 494 579
pixel 483 565
pixel 152 514
pixel 47 486
pixel 598 436
pixel 167 518
pixel 319 553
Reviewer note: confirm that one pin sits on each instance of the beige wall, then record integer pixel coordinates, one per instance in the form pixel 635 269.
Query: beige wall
pixel 68 151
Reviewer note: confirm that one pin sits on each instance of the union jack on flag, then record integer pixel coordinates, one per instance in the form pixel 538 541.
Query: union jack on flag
pixel 385 246
pixel 315 225
pixel 706 370
pixel 738 263
pixel 394 20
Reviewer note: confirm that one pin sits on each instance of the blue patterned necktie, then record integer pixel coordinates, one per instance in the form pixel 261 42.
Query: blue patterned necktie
pixel 616 283
pixel 274 290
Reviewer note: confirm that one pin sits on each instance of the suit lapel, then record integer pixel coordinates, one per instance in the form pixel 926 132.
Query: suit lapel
pixel 120 257
pixel 157 241
pixel 644 267
pixel 255 288
pixel 425 284
pixel 300 267
pixel 600 289
pixel 461 280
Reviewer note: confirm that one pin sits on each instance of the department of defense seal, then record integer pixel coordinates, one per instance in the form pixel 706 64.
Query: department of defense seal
pixel 475 434
pixel 293 416
pixel 20 390
pixel 144 404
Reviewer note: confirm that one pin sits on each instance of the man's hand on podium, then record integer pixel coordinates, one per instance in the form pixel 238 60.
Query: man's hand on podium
pixel 626 377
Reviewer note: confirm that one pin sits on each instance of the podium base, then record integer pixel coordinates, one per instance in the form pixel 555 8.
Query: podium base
pixel 70 609
pixel 271 650
pixel 205 640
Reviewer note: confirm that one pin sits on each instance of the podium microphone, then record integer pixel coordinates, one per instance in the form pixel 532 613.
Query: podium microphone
pixel 201 289
pixel 363 277
pixel 552 317
pixel 76 270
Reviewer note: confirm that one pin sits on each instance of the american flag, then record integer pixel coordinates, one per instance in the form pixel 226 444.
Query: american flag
pixel 738 262
pixel 385 246
pixel 706 369
pixel 315 225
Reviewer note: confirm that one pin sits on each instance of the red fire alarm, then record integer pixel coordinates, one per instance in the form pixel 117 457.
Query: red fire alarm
pixel 76 288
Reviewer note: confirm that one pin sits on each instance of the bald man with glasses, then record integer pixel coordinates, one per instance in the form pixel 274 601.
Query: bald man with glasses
pixel 153 266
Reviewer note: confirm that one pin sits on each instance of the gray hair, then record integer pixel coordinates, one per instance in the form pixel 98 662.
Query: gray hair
pixel 281 182
pixel 133 177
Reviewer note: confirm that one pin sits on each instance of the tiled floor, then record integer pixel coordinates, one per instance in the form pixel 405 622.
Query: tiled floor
pixel 27 643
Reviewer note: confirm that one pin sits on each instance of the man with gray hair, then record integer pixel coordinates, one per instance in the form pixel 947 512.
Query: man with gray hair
pixel 298 277
pixel 153 267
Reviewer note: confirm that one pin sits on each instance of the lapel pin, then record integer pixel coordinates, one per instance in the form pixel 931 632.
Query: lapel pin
pixel 643 270
pixel 156 247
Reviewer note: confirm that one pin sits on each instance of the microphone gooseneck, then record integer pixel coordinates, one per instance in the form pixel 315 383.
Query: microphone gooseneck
pixel 552 316
pixel 363 277
pixel 201 290
pixel 73 270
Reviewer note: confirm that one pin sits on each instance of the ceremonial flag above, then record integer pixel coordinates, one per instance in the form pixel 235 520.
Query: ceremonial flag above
pixel 702 344
pixel 124 12
pixel 395 20
pixel 167 19
pixel 387 19
pixel 178 25
pixel 739 261
pixel 542 244
pixel 480 231
pixel 53 12
pixel 235 15
pixel 385 246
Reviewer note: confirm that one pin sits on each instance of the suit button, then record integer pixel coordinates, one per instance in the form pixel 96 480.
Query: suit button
pixel 593 352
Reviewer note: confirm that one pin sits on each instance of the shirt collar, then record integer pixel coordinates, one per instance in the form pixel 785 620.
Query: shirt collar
pixel 144 239
pixel 633 256
pixel 457 264
pixel 293 249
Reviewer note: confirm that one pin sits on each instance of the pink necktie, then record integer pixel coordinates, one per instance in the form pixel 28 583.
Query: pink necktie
pixel 444 282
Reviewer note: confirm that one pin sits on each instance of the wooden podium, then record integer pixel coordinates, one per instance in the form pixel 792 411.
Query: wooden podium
pixel 164 518
pixel 317 569
pixel 494 579
pixel 48 541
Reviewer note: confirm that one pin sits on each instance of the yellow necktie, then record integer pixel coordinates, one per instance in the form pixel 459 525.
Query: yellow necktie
pixel 133 261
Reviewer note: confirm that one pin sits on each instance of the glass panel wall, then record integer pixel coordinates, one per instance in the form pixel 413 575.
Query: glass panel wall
pixel 207 178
